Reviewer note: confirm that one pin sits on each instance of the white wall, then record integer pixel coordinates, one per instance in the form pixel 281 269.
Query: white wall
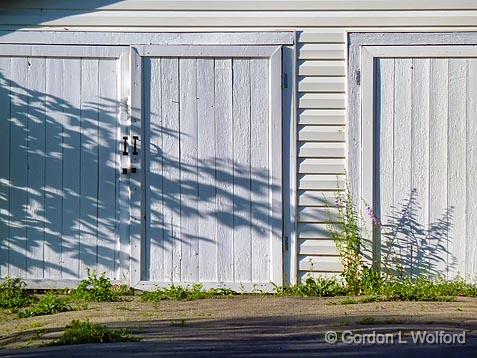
pixel 321 68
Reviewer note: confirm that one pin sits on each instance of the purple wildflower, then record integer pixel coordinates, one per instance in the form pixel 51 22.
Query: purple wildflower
pixel 372 215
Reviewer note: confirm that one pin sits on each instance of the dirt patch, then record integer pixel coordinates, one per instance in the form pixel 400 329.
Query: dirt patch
pixel 238 318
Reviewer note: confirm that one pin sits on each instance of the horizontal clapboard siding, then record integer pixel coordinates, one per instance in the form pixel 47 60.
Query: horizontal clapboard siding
pixel 246 5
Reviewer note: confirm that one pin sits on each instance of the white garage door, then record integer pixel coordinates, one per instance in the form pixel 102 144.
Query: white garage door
pixel 211 204
pixel 59 115
pixel 419 156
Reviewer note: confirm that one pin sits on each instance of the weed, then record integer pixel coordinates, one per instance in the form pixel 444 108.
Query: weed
pixel 123 290
pixel 13 294
pixel 48 304
pixel 367 321
pixel 194 292
pixel 80 332
pixel 320 287
pixel 96 289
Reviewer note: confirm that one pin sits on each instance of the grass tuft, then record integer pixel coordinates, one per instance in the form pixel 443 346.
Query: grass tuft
pixel 81 332
pixel 96 289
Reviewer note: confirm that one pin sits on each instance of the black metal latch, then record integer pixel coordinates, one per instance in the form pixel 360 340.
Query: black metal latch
pixel 125 151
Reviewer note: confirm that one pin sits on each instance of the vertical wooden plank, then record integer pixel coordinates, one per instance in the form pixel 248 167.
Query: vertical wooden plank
pixel 224 169
pixel 420 160
pixel 71 77
pixel 89 165
pixel 456 163
pixel 241 148
pixel 53 168
pixel 260 169
pixel 276 161
pixel 5 78
pixel 124 246
pixel 18 166
pixel 188 168
pixel 171 168
pixel 402 160
pixel 206 170
pixel 384 152
pixel 154 249
pixel 108 168
pixel 471 190
pixel 36 165
pixel 136 178
pixel 438 130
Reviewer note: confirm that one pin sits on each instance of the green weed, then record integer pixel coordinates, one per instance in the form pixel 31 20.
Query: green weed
pixel 13 294
pixel 48 304
pixel 319 287
pixel 80 332
pixel 194 292
pixel 95 289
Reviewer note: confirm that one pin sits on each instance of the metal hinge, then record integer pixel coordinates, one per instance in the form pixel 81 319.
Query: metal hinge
pixel 284 80
pixel 358 77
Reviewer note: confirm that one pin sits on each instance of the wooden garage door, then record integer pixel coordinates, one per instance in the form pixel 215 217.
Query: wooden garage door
pixel 420 154
pixel 212 165
pixel 59 115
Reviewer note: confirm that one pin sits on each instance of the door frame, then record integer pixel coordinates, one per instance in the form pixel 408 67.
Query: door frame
pixel 363 50
pixel 138 209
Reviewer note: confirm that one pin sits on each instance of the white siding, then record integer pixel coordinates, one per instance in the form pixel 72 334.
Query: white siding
pixel 321 67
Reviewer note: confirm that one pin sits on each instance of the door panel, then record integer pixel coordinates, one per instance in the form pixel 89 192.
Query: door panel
pixel 424 159
pixel 208 170
pixel 59 174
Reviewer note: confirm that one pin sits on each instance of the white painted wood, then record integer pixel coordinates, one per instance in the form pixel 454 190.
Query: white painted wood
pixel 321 51
pixel 321 133
pixel 324 182
pixel 276 157
pixel 108 168
pixel 71 84
pixel 60 50
pixel 322 100
pixel 321 68
pixel 259 164
pixel 18 166
pixel 471 166
pixel 150 37
pixel 420 51
pixel 324 166
pixel 247 5
pixel 320 263
pixel 456 165
pixel 224 150
pixel 89 165
pixel 36 165
pixel 207 167
pixel 438 132
pixel 53 169
pixel 321 150
pixel 321 35
pixel 314 231
pixel 171 171
pixel 5 181
pixel 208 51
pixel 242 153
pixel 317 247
pixel 154 240
pixel 321 84
pixel 317 198
pixel 322 116
pixel 189 200
pixel 136 180
pixel 318 214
